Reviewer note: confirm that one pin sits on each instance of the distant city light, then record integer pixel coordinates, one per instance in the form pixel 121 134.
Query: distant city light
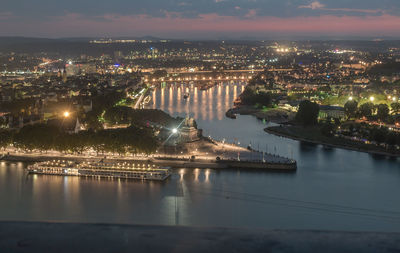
pixel 350 98
pixel 174 131
pixel 66 114
pixel 371 98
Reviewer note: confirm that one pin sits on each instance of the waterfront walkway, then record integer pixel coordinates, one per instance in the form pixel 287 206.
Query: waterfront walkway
pixel 208 153
pixel 69 237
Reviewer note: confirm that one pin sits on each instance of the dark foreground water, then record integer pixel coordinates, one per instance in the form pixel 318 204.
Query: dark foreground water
pixel 333 189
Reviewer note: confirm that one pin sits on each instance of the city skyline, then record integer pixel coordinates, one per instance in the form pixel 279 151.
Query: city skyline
pixel 211 19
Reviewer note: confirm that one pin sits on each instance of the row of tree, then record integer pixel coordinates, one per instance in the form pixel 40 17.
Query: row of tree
pixel 372 133
pixel 126 115
pixel 381 111
pixel 44 137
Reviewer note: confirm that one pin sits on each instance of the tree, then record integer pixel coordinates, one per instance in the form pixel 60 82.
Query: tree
pixel 391 139
pixel 250 96
pixel 378 135
pixel 5 138
pixel 159 73
pixel 366 109
pixel 350 108
pixel 383 112
pixel 3 122
pixel 395 107
pixel 39 136
pixel 118 115
pixel 328 129
pixel 308 113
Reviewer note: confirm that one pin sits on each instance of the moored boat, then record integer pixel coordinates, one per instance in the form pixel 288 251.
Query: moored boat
pixel 127 170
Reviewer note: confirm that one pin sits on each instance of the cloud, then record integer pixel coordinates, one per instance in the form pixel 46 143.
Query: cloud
pixel 207 26
pixel 251 14
pixel 319 6
pixel 314 5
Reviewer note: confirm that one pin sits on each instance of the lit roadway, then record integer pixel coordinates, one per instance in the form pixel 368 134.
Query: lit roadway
pixel 139 101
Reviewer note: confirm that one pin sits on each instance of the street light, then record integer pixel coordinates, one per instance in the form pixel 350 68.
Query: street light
pixel 174 131
pixel 371 98
pixel 66 114
pixel 350 98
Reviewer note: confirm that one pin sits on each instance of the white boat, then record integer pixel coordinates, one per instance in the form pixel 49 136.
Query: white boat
pixel 127 170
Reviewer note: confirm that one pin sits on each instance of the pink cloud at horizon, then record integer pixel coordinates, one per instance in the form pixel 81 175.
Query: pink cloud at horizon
pixel 172 23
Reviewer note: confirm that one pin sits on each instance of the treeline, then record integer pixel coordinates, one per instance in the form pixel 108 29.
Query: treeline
pixel 44 137
pixel 379 135
pixel 18 107
pixel 372 111
pixel 127 115
pixel 251 96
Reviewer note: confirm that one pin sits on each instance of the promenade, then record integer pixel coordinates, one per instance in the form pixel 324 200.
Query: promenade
pixel 207 153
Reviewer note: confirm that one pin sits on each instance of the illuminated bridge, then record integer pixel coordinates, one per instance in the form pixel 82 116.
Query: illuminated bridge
pixel 209 76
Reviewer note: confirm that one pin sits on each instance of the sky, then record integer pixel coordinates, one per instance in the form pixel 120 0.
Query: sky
pixel 201 19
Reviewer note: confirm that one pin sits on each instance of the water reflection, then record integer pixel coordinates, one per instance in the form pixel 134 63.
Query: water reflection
pixel 207 105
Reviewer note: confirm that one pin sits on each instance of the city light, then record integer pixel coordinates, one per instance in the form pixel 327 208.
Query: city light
pixel 66 114
pixel 371 99
pixel 174 131
pixel 350 98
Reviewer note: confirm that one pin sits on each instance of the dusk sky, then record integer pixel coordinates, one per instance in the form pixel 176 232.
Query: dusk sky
pixel 198 19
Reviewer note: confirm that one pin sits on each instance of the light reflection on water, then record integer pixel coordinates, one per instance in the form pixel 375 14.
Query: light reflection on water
pixel 333 189
pixel 206 105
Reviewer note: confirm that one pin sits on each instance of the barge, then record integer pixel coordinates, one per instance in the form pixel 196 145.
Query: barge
pixel 125 170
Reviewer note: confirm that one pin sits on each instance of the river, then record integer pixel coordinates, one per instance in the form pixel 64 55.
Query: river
pixel 333 189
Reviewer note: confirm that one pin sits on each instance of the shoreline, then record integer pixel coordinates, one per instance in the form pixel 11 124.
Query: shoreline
pixel 271 130
pixel 168 161
pixel 205 153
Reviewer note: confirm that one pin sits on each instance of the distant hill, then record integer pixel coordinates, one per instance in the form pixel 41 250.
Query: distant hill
pixel 18 40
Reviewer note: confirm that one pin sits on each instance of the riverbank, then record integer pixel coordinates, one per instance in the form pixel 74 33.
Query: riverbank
pixel 205 153
pixel 313 135
pixel 275 115
pixel 169 162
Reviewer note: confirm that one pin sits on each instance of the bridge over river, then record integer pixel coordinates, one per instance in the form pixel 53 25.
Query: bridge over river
pixel 209 76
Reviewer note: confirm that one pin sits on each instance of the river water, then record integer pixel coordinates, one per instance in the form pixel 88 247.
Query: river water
pixel 333 189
